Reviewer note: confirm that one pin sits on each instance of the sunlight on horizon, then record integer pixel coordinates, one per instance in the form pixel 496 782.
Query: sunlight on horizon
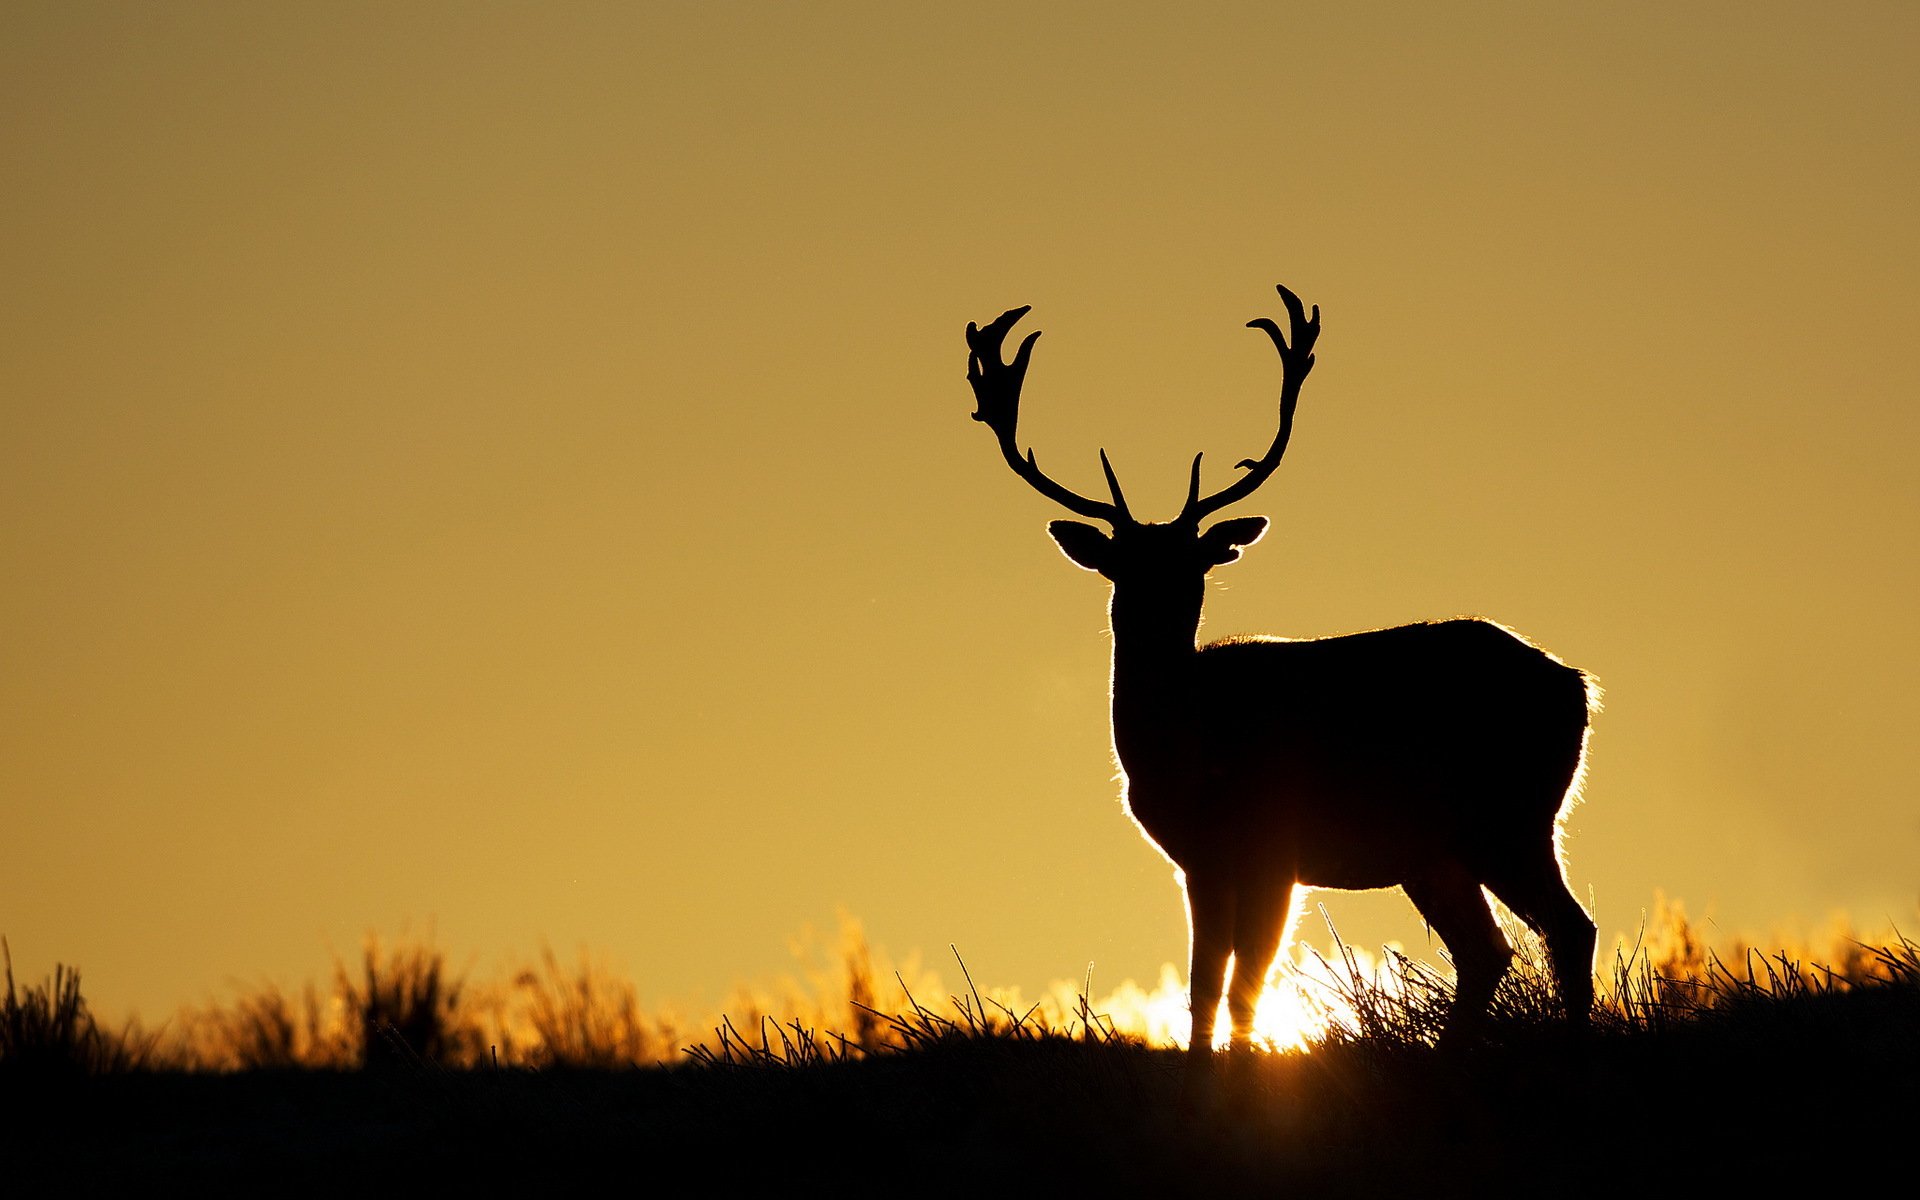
pixel 1306 996
pixel 1299 1005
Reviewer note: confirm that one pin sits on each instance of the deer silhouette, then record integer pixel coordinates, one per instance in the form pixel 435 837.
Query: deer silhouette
pixel 1440 757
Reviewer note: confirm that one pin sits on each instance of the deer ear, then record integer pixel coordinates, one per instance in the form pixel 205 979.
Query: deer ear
pixel 1221 543
pixel 1084 544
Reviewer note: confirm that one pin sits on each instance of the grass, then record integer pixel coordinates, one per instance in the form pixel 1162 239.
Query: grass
pixel 1705 1070
pixel 47 1032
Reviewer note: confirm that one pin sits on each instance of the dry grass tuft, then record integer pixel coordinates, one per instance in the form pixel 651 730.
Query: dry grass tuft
pixel 402 1008
pixel 46 1030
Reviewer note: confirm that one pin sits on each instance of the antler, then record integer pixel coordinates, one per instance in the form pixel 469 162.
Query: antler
pixel 1295 361
pixel 996 389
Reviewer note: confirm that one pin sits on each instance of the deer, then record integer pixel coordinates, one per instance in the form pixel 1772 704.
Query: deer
pixel 1441 757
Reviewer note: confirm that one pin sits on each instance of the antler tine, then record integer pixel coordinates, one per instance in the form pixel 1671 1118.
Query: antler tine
pixel 1295 361
pixel 996 390
pixel 1113 484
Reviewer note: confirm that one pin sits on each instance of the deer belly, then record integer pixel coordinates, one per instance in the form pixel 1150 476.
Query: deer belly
pixel 1344 837
pixel 1332 863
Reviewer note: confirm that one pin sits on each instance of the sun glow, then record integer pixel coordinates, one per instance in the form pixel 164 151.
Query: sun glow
pixel 1302 1002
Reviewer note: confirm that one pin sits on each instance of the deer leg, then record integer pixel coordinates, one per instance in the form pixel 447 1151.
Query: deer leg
pixel 1456 910
pixel 1210 911
pixel 1260 924
pixel 1541 898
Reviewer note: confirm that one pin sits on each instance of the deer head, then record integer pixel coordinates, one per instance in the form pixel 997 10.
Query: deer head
pixel 1161 566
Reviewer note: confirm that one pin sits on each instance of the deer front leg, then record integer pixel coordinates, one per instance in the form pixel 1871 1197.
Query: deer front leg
pixel 1260 924
pixel 1210 910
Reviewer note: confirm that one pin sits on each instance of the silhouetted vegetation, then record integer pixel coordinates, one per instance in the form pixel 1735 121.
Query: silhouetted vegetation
pixel 47 1032
pixel 1701 1067
pixel 403 1007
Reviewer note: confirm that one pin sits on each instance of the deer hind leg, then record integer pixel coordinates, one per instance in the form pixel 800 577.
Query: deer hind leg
pixel 1210 915
pixel 1540 897
pixel 1456 910
pixel 1260 924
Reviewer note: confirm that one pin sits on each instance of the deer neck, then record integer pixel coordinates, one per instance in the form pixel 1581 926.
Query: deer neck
pixel 1154 656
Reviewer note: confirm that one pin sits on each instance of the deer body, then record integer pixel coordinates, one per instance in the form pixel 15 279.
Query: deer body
pixel 1438 757
pixel 1333 757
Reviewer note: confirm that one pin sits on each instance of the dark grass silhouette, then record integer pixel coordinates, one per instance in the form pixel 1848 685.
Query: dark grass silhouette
pixel 401 1007
pixel 1756 1067
pixel 1438 757
pixel 48 1033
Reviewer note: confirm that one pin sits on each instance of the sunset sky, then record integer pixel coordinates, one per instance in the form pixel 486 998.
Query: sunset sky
pixel 507 467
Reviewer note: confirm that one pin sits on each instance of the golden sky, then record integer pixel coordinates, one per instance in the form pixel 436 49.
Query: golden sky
pixel 509 466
